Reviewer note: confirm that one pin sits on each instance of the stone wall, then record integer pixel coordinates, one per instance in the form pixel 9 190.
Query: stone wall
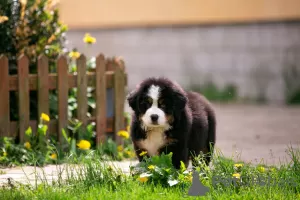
pixel 249 55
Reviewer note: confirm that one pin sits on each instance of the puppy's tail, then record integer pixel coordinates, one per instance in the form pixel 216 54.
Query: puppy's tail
pixel 212 123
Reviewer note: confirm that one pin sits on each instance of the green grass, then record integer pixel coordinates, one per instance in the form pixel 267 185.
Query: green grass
pixel 133 190
pixel 96 180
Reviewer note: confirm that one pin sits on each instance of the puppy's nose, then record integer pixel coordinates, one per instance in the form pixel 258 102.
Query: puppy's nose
pixel 154 117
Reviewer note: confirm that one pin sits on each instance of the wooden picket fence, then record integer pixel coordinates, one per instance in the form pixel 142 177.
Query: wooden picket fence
pixel 108 74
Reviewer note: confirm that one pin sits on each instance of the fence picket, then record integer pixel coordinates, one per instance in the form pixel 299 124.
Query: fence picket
pixel 63 90
pixel 23 90
pixel 82 103
pixel 100 99
pixel 4 95
pixel 119 96
pixel 43 85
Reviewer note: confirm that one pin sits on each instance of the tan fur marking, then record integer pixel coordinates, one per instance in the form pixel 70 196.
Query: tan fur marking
pixel 170 118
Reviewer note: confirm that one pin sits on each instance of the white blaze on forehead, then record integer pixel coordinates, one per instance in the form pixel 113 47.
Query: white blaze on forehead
pixel 154 92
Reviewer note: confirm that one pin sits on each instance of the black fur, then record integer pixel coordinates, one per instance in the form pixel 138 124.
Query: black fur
pixel 193 127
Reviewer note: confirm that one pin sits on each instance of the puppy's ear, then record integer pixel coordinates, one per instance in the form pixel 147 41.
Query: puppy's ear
pixel 132 99
pixel 180 100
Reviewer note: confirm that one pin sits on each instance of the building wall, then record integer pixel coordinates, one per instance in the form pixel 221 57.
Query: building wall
pixel 248 55
pixel 78 14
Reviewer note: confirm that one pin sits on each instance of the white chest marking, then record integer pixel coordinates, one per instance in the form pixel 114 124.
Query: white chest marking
pixel 154 141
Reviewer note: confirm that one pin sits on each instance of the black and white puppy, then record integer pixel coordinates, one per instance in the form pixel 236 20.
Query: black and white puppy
pixel 168 119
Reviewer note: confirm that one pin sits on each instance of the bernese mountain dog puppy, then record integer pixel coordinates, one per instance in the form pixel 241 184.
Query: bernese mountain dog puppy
pixel 168 119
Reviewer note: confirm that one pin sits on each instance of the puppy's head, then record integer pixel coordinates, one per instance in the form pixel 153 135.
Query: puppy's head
pixel 156 102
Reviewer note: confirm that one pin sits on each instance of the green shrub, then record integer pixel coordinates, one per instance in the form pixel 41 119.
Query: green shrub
pixel 32 28
pixel 213 93
pixel 291 77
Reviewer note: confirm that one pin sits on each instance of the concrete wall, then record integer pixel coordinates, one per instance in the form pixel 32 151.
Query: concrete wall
pixel 224 53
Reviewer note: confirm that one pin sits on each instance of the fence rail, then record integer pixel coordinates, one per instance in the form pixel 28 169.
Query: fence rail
pixel 108 74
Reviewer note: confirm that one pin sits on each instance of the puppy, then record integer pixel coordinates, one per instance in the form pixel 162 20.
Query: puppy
pixel 168 119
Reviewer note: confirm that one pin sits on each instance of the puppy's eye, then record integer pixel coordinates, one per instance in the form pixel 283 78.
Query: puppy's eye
pixel 149 100
pixel 161 103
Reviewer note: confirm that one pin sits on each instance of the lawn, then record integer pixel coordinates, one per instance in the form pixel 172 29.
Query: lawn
pixel 156 179
pixel 133 190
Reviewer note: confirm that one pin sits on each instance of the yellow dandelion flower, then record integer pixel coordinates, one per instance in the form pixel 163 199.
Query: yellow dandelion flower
pixel 74 54
pixel 236 175
pixel 151 167
pixel 27 145
pixel 89 39
pixel 143 153
pixel 261 169
pixel 120 148
pixel 3 19
pixel 238 165
pixel 84 144
pixel 143 179
pixel 53 156
pixel 4 154
pixel 123 134
pixel 45 117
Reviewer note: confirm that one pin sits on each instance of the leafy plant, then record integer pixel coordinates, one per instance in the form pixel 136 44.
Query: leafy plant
pixel 112 151
pixel 39 149
pixel 159 170
pixel 13 154
pixel 78 137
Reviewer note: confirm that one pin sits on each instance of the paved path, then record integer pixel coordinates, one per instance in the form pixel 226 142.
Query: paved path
pixel 256 132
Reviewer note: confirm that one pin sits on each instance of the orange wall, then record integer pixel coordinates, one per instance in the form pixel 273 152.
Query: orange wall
pixel 127 13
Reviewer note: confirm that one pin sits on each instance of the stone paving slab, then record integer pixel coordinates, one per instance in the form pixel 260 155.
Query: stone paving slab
pixel 49 173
